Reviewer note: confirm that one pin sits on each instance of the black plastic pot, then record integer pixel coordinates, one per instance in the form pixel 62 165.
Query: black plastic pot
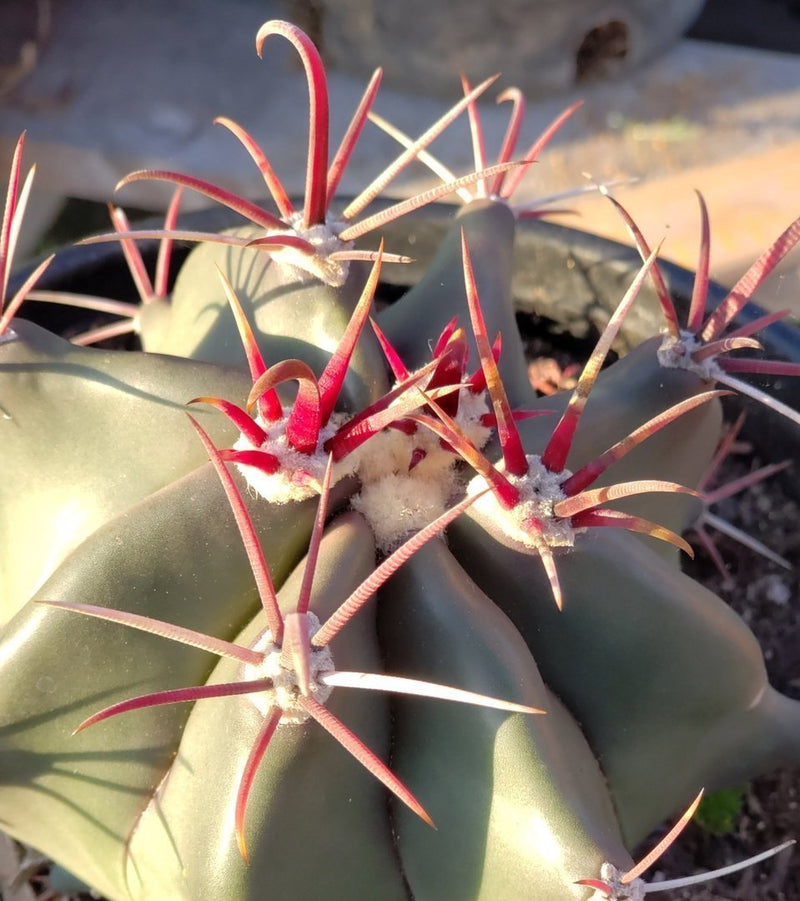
pixel 568 280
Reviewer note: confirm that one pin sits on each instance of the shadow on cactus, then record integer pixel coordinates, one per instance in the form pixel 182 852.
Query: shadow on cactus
pixel 212 629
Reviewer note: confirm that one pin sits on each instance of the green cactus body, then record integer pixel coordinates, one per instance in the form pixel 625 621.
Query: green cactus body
pixel 294 315
pixel 699 681
pixel 310 833
pixel 81 795
pixel 520 805
pixel 436 298
pixel 86 434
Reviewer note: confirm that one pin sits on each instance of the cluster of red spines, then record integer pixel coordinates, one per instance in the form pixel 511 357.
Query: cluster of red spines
pixel 13 211
pixel 581 506
pixel 292 634
pixel 288 229
pixel 316 398
pixel 706 331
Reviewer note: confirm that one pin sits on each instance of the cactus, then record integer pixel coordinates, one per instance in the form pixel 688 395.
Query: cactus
pixel 373 584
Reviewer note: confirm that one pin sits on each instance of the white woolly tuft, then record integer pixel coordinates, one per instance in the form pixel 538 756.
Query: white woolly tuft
pixel 398 504
pixel 299 475
pixel 540 490
pixel 285 691
pixel 387 452
pixel 471 407
pixel 676 353
pixel 396 500
pixel 320 266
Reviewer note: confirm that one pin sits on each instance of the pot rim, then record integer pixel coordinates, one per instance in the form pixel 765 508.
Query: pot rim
pixel 604 265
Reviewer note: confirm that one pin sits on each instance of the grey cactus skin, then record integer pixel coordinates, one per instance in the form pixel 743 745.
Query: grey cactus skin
pixel 80 796
pixel 141 804
pixel 87 433
pixel 293 314
pixel 518 801
pixel 330 839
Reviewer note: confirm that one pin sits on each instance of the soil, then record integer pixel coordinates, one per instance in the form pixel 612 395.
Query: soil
pixel 765 595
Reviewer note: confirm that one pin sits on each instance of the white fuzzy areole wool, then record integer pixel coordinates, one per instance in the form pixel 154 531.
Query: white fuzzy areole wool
pixel 291 481
pixel 322 266
pixel 540 490
pixel 676 353
pixel 285 690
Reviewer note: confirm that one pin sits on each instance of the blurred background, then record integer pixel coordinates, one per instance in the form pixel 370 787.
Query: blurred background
pixel 679 94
